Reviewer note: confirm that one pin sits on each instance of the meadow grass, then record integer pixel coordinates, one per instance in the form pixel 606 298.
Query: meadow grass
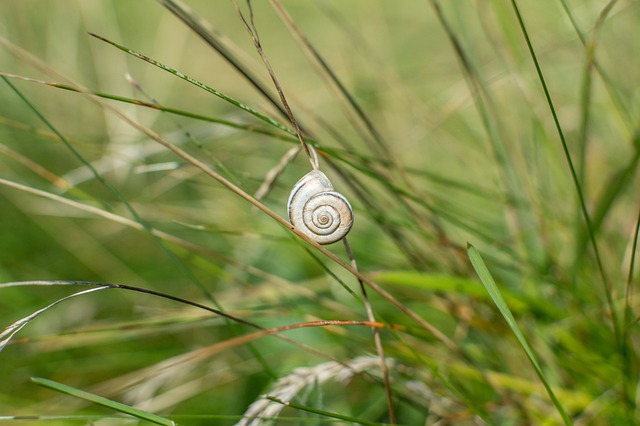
pixel 148 272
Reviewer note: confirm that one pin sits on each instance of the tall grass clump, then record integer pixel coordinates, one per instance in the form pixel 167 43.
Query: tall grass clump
pixel 148 269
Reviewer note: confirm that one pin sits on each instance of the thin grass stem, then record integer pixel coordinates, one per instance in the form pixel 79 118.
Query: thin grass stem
pixel 376 336
pixel 253 34
pixel 113 190
pixel 574 176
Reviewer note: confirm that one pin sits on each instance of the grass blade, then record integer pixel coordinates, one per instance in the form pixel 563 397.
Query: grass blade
pixel 325 70
pixel 14 328
pixel 615 187
pixel 488 282
pixel 146 227
pixel 511 179
pixel 588 43
pixel 629 353
pixel 574 176
pixel 202 86
pixel 240 105
pixel 325 413
pixel 117 406
pixel 213 38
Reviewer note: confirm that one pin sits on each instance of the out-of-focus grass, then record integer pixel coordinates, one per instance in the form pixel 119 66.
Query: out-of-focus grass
pixel 472 154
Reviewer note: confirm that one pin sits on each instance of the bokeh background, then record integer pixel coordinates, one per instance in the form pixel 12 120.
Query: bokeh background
pixel 469 152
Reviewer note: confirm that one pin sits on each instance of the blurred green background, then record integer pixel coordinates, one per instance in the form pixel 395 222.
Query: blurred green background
pixel 470 153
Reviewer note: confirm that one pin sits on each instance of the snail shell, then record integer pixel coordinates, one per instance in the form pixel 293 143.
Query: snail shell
pixel 318 211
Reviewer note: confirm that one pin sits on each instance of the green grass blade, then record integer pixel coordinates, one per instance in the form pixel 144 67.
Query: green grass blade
pixel 616 185
pixel 511 180
pixel 201 117
pixel 381 147
pixel 488 282
pixel 442 282
pixel 634 250
pixel 13 329
pixel 588 43
pixel 202 86
pixel 117 406
pixel 629 353
pixel 574 176
pixel 205 30
pixel 325 413
pixel 340 155
pixel 114 191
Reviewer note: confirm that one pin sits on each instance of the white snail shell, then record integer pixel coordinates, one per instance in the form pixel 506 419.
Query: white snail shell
pixel 318 211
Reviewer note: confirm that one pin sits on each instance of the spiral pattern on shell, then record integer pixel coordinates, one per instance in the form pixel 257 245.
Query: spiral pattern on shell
pixel 318 211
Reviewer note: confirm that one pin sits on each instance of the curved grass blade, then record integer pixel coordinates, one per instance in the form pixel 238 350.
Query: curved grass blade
pixel 14 328
pixel 117 406
pixel 115 192
pixel 244 339
pixel 488 282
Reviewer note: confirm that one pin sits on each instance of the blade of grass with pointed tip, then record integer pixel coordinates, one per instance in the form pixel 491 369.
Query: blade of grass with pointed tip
pixel 239 126
pixel 202 86
pixel 488 282
pixel 14 328
pixel 117 406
